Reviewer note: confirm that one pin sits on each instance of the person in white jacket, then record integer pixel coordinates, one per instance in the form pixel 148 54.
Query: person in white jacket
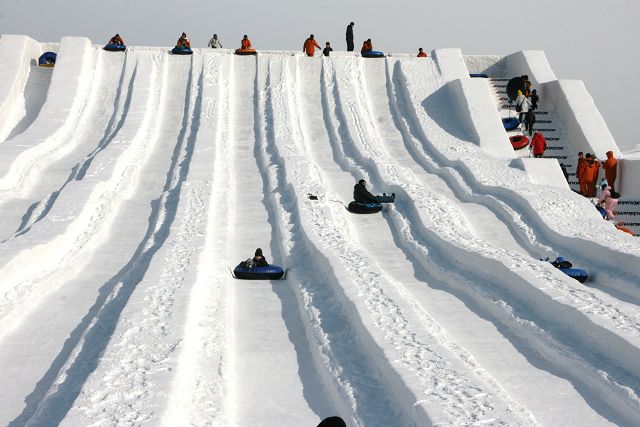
pixel 214 43
pixel 524 103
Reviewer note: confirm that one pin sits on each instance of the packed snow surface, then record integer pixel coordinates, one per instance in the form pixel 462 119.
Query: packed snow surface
pixel 132 183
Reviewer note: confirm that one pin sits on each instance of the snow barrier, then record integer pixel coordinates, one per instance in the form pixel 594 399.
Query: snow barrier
pixel 16 54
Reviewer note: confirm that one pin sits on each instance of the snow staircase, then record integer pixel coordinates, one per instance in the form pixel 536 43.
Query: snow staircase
pixel 558 147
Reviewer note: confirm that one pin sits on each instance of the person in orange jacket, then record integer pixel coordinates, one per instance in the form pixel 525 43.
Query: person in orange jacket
pixel 116 40
pixel 183 41
pixel 538 144
pixel 310 46
pixel 367 46
pixel 579 170
pixel 610 167
pixel 421 53
pixel 245 43
pixel 590 175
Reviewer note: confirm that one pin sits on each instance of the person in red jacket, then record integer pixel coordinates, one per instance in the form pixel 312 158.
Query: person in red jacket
pixel 183 41
pixel 538 144
pixel 245 43
pixel 590 175
pixel 367 46
pixel 116 40
pixel 310 46
pixel 610 167
pixel 579 170
pixel 421 53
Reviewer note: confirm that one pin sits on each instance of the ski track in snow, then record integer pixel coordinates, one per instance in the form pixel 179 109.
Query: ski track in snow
pixel 126 207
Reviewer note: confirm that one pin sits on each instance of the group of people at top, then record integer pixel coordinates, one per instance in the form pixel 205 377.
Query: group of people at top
pixel 588 171
pixel 310 44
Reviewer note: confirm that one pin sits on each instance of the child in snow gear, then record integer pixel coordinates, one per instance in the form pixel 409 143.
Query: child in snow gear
pixel 327 49
pixel 245 43
pixel 214 43
pixel 258 260
pixel 350 37
pixel 183 42
pixel 362 195
pixel 608 200
pixel 117 40
pixel 538 145
pixel 421 53
pixel 367 46
pixel 310 46
pixel 534 99
pixel 529 121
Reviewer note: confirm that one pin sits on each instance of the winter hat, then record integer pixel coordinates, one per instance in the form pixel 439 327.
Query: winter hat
pixel 258 252
pixel 519 92
pixel 332 422
pixel 559 259
pixel 588 156
pixel 362 181
pixel 534 91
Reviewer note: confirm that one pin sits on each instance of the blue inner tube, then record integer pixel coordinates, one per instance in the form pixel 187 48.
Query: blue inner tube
pixel 372 54
pixel 271 272
pixel 47 58
pixel 181 51
pixel 602 212
pixel 576 273
pixel 510 123
pixel 115 47
pixel 478 76
pixel 364 208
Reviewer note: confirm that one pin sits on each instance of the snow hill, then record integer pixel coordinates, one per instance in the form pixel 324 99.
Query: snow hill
pixel 131 182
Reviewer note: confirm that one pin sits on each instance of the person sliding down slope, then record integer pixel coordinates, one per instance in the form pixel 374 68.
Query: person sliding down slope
pixel 362 195
pixel 310 46
pixel 258 260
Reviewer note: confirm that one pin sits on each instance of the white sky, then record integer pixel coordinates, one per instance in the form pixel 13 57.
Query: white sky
pixel 591 40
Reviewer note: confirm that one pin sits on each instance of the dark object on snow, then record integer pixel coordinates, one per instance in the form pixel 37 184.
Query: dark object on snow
pixel 513 86
pixel 332 422
pixel 349 37
pixel 566 267
pixel 47 59
pixel 270 272
pixel 247 51
pixel 518 142
pixel 364 208
pixel 478 76
pixel 372 54
pixel 181 50
pixel 510 123
pixel 115 47
pixel 312 197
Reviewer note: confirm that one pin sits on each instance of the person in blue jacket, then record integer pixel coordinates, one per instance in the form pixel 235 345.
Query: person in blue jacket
pixel 362 195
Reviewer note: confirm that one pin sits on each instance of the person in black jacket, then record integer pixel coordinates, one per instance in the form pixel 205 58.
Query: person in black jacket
pixel 362 195
pixel 350 37
pixel 534 99
pixel 259 260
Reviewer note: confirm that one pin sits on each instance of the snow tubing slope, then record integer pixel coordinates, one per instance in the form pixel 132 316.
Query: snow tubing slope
pixel 181 51
pixel 576 273
pixel 518 142
pixel 47 59
pixel 364 208
pixel 372 54
pixel 115 47
pixel 245 52
pixel 271 272
pixel 510 123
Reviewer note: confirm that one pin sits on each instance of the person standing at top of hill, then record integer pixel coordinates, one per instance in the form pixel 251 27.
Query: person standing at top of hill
pixel 183 41
pixel 214 43
pixel 350 37
pixel 327 49
pixel 367 46
pixel 245 43
pixel 117 40
pixel 610 167
pixel 422 53
pixel 310 46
